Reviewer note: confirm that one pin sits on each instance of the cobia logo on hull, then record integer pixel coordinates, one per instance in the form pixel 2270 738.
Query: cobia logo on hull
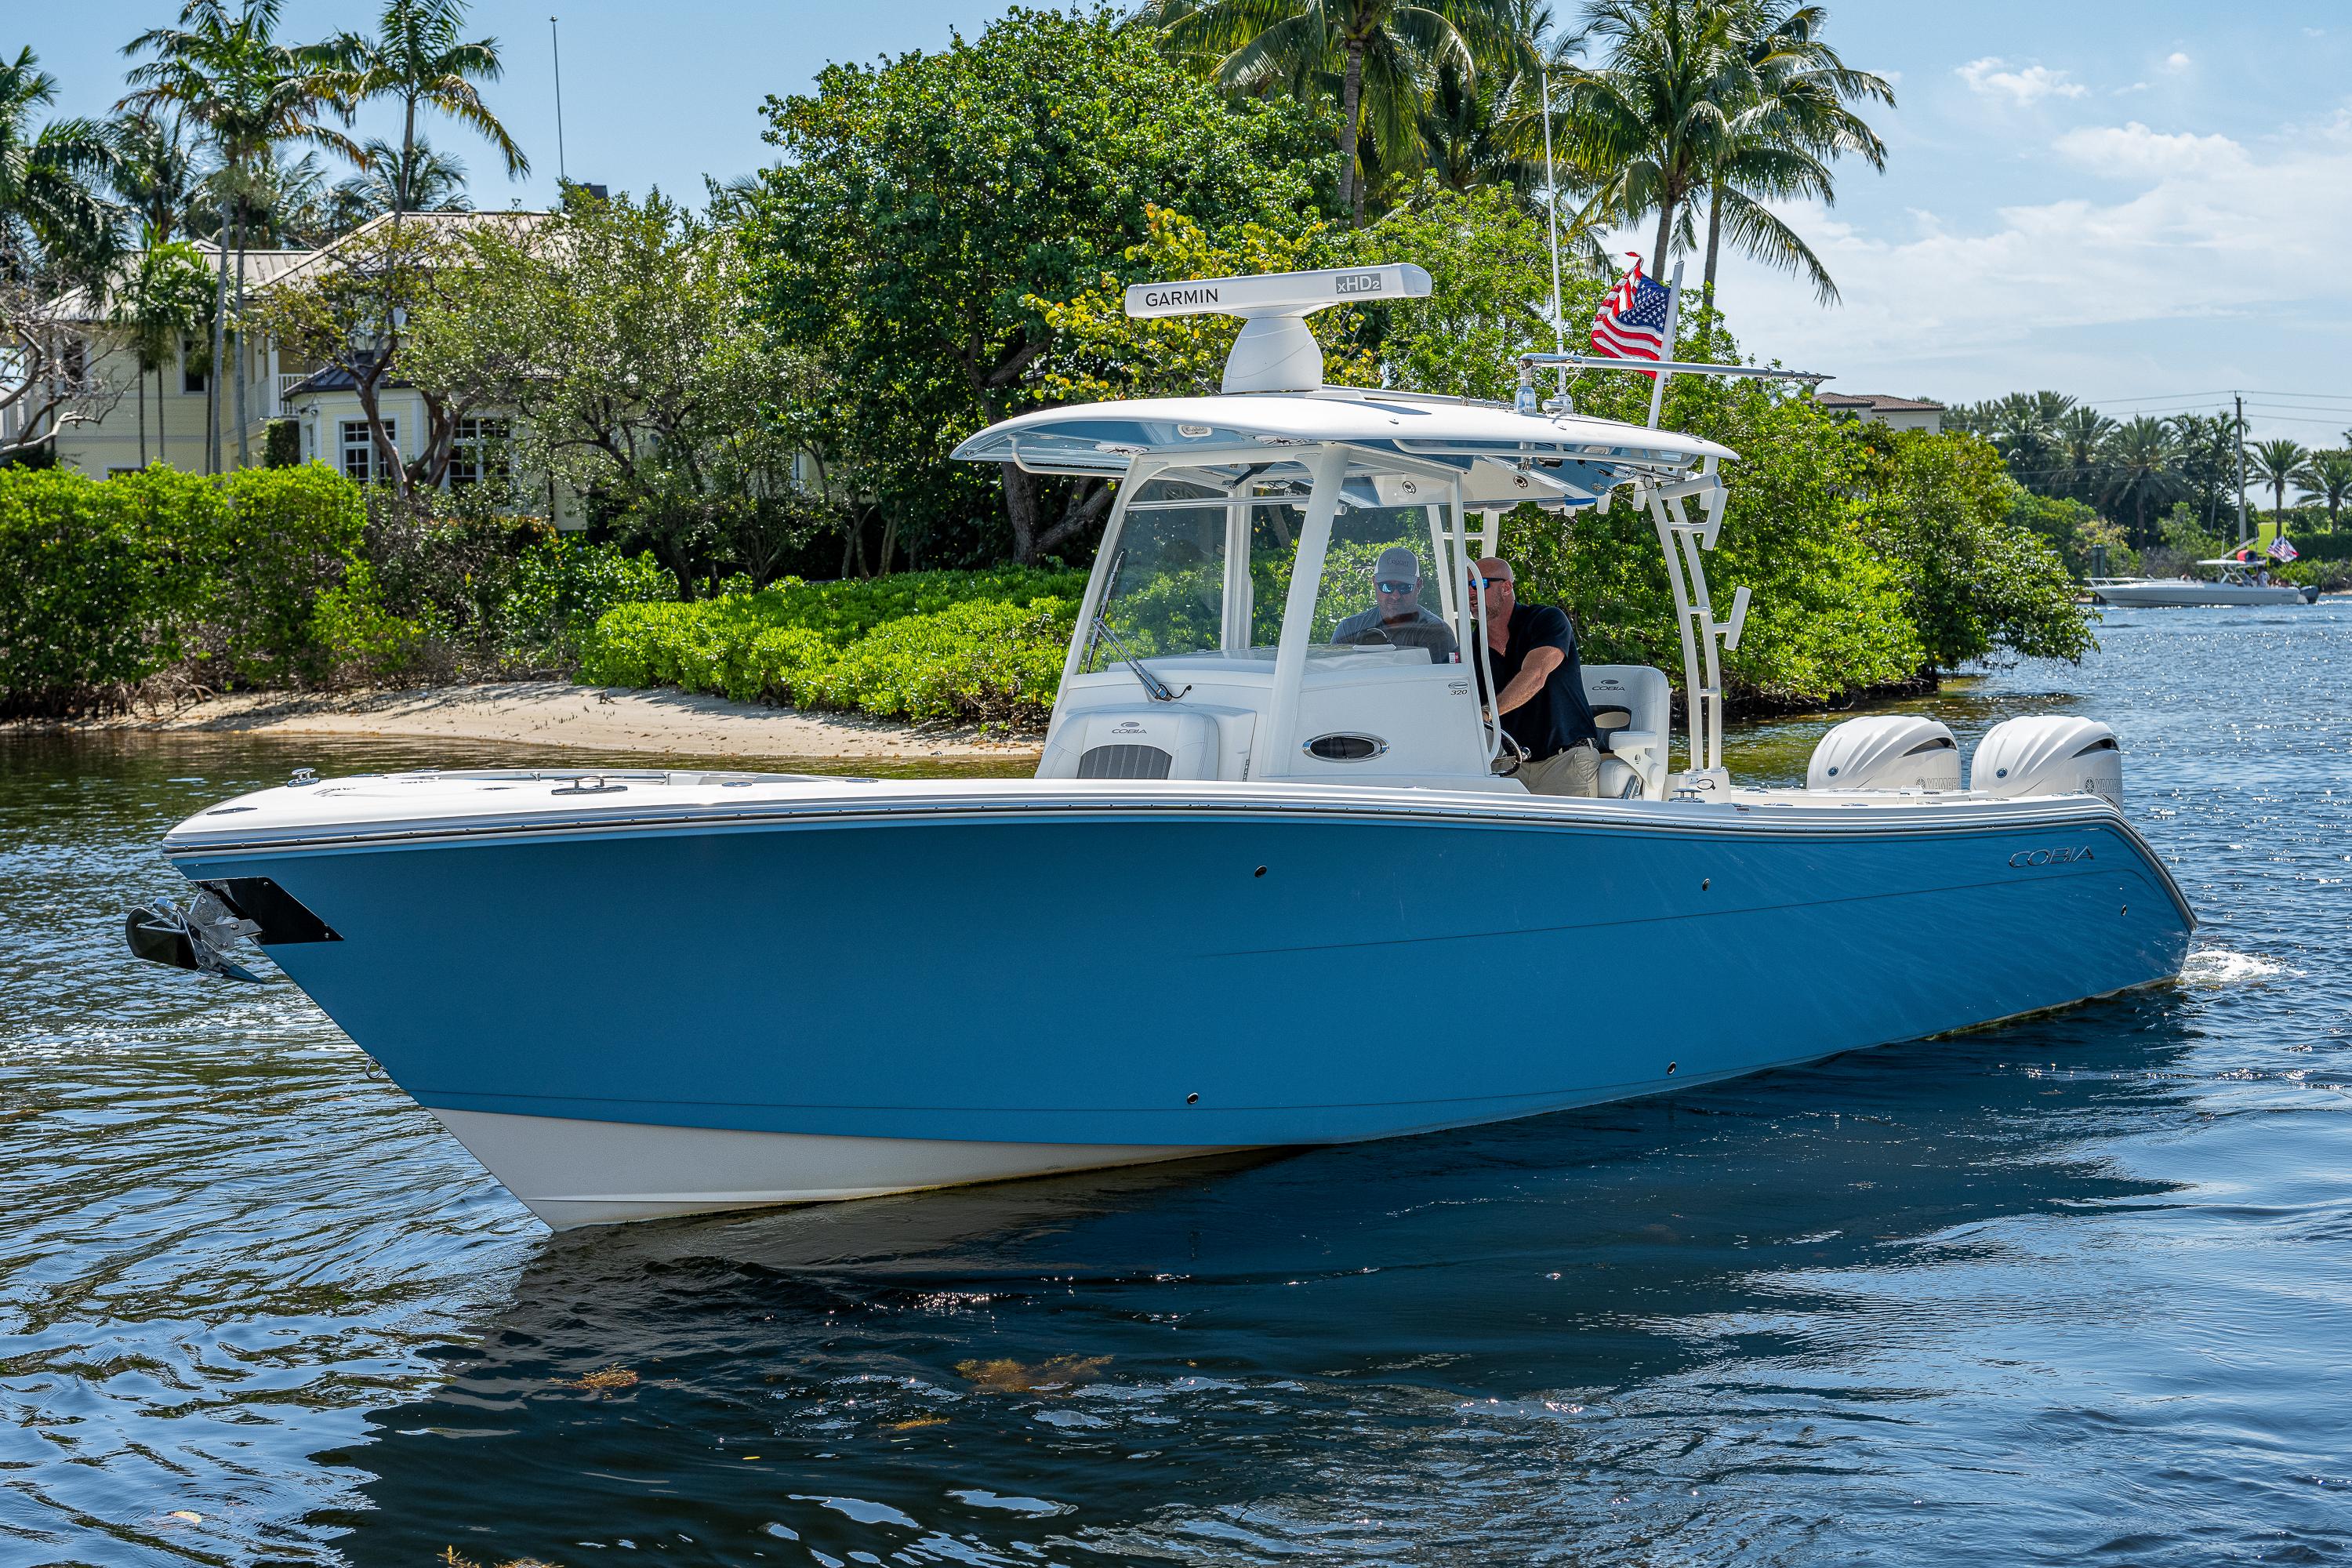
pixel 2025 857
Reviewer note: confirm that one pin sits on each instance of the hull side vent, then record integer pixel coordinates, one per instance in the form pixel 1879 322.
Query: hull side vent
pixel 1124 762
pixel 1346 748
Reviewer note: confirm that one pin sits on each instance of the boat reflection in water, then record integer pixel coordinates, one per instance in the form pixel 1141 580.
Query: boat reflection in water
pixel 1678 1326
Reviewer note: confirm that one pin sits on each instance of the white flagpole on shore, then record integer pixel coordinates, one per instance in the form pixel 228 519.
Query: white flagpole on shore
pixel 1674 308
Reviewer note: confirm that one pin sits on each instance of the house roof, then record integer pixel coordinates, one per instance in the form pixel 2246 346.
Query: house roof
pixel 262 268
pixel 1876 403
pixel 334 378
pixel 310 264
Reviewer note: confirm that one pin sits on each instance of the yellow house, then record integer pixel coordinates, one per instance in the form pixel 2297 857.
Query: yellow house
pixel 134 417
pixel 173 402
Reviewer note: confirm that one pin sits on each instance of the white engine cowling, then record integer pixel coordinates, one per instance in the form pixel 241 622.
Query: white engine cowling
pixel 2059 755
pixel 1886 751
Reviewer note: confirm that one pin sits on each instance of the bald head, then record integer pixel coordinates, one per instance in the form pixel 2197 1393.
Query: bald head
pixel 1502 587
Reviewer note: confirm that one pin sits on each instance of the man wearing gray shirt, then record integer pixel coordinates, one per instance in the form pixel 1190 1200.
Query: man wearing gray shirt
pixel 1396 616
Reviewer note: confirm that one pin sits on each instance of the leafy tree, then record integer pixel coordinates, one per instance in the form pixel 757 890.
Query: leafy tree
pixel 1381 52
pixel 2073 529
pixel 925 205
pixel 355 312
pixel 419 58
pixel 1975 585
pixel 251 93
pixel 616 334
pixel 2275 465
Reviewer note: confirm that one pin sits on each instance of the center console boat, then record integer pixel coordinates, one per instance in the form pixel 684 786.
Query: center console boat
pixel 1262 891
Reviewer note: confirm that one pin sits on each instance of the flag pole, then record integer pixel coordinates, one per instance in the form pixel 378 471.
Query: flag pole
pixel 1551 209
pixel 1674 308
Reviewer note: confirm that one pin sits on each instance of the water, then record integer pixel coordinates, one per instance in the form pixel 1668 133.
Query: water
pixel 2074 1289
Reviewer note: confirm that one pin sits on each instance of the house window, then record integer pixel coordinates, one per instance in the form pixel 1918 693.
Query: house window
pixel 191 378
pixel 359 459
pixel 76 363
pixel 478 450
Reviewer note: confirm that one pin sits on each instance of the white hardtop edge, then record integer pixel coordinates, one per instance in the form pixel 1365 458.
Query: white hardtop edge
pixel 432 803
pixel 1106 436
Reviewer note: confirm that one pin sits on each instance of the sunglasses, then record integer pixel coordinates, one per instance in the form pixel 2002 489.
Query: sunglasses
pixel 1490 582
pixel 1387 588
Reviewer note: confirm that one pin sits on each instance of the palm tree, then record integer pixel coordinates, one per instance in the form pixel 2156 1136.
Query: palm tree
pixel 2024 427
pixel 1652 123
pixel 2142 471
pixel 2277 464
pixel 390 177
pixel 2079 435
pixel 228 73
pixel 418 59
pixel 2329 476
pixel 1780 141
pixel 157 304
pixel 2208 459
pixel 51 207
pixel 1382 51
pixel 156 175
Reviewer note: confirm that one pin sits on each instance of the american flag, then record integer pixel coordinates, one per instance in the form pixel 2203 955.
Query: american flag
pixel 2282 552
pixel 1631 321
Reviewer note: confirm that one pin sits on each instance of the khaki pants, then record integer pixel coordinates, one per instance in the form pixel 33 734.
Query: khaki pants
pixel 1576 770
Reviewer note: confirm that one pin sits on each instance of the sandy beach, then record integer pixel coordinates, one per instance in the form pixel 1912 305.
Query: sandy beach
pixel 553 713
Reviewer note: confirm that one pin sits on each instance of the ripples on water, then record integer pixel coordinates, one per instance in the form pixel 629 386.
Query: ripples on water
pixel 2074 1288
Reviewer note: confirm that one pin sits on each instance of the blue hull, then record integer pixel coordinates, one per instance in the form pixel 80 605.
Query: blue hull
pixel 1126 976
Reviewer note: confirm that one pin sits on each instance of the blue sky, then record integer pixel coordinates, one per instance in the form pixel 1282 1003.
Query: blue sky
pixel 2143 205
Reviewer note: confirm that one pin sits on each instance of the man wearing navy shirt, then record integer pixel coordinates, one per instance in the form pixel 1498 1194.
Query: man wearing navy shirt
pixel 1538 685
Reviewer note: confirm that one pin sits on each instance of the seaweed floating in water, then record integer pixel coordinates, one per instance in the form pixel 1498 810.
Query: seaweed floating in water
pixel 1008 1377
pixel 603 1380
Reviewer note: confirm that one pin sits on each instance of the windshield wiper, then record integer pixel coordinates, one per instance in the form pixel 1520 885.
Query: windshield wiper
pixel 1153 686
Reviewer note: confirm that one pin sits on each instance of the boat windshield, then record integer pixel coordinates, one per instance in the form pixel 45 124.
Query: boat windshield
pixel 1384 587
pixel 1173 588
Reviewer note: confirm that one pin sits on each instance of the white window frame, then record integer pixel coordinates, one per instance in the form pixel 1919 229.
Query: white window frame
pixel 356 440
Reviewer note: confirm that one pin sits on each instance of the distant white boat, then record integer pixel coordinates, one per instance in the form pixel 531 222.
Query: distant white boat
pixel 2226 582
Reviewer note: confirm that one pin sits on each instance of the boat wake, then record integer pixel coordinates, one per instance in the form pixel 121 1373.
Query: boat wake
pixel 2218 966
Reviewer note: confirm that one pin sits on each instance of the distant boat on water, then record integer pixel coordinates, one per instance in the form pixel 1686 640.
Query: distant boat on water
pixel 2222 582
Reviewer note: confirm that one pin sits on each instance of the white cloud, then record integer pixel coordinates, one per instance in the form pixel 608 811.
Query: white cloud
pixel 2134 152
pixel 2021 300
pixel 1990 78
pixel 2176 61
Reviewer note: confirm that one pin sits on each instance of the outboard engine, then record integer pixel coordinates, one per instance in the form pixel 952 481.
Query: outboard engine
pixel 1886 751
pixel 2059 755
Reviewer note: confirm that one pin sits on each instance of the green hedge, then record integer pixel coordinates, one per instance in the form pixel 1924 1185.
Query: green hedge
pixel 976 647
pixel 79 589
pixel 104 584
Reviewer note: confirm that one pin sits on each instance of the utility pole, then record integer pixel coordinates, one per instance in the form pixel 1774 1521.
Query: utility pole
pixel 2242 535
